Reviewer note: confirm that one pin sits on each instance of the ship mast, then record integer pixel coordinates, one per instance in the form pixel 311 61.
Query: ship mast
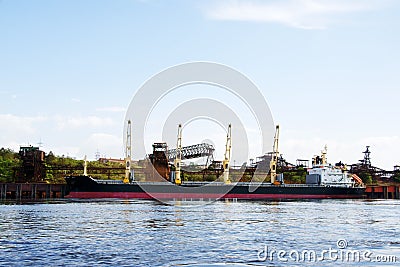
pixel 225 162
pixel 323 154
pixel 178 157
pixel 128 153
pixel 275 154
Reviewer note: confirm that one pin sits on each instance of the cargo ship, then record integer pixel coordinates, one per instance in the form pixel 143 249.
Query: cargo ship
pixel 86 187
pixel 322 181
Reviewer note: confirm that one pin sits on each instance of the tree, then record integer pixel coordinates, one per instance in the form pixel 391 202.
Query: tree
pixel 366 177
pixel 396 177
pixel 9 160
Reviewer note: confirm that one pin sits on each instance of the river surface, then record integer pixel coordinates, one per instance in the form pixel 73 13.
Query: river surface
pixel 222 233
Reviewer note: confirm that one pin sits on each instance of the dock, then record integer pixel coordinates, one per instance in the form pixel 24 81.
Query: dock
pixel 31 191
pixel 382 192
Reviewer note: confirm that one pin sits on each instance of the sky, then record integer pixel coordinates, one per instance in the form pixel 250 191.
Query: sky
pixel 329 71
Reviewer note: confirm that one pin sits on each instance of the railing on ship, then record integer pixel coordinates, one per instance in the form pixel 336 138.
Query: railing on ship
pixel 219 184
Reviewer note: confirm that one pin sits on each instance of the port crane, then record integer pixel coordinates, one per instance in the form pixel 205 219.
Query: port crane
pixel 128 154
pixel 199 150
pixel 275 155
pixel 227 158
pixel 178 157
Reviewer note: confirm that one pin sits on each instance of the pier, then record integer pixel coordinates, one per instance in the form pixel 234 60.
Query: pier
pixel 383 192
pixel 32 191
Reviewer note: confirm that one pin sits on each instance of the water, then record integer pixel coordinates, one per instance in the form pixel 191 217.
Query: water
pixel 149 233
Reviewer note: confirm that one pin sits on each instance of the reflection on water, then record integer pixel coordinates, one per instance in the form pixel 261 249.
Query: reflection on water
pixel 147 233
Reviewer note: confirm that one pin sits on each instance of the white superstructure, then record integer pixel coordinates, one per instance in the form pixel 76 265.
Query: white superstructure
pixel 323 173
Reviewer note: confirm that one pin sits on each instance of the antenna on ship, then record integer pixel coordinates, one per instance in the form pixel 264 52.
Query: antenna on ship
pixel 227 158
pixel 275 154
pixel 128 153
pixel 178 157
pixel 323 154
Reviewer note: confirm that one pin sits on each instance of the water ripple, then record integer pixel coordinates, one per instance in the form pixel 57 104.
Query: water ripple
pixel 147 233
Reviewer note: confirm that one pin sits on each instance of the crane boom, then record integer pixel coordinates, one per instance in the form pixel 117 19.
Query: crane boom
pixel 275 155
pixel 128 153
pixel 227 157
pixel 178 158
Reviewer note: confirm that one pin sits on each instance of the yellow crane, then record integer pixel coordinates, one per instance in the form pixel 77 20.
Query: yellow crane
pixel 178 157
pixel 227 158
pixel 128 153
pixel 275 154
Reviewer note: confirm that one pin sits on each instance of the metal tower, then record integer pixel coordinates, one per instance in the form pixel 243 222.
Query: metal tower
pixel 367 159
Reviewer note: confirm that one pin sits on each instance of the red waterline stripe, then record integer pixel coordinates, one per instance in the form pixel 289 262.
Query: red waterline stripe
pixel 142 195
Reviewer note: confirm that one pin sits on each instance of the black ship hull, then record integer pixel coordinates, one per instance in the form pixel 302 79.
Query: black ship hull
pixel 86 187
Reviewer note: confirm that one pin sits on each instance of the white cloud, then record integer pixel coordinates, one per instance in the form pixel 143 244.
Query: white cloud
pixel 75 100
pixel 107 144
pixel 305 14
pixel 11 144
pixel 66 151
pixel 382 140
pixel 384 150
pixel 17 130
pixel 13 124
pixel 112 109
pixel 9 94
pixel 80 133
pixel 77 122
pixel 104 139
